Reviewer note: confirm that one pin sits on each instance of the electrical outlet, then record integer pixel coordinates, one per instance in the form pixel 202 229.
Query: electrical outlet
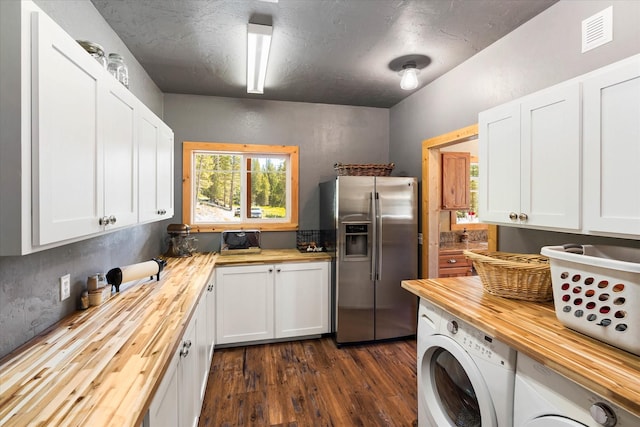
pixel 65 287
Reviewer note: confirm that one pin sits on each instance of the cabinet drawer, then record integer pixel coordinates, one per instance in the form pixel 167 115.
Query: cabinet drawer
pixel 453 259
pixel 454 264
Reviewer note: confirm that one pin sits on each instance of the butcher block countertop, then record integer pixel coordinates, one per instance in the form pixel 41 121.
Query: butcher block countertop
pixel 459 246
pixel 268 256
pixel 533 329
pixel 101 366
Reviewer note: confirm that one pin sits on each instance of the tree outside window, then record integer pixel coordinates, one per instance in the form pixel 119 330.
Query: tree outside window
pixel 228 186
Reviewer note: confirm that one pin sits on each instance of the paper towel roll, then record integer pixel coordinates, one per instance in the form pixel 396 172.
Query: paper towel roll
pixel 125 274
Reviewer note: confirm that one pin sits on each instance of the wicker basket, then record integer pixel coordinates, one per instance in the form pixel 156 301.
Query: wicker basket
pixel 370 169
pixel 517 276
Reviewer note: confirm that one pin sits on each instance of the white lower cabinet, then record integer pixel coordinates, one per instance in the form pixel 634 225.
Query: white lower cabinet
pixel 178 400
pixel 260 302
pixel 164 411
pixel 301 299
pixel 244 303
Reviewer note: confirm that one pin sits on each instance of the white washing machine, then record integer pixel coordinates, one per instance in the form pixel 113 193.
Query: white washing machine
pixel 544 398
pixel 465 377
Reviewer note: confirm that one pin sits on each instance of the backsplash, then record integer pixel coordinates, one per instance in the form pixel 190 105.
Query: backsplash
pixel 454 236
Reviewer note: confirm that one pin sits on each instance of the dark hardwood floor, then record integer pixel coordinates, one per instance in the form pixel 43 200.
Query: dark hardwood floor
pixel 313 383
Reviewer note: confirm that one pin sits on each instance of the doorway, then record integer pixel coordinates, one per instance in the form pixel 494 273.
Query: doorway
pixel 431 190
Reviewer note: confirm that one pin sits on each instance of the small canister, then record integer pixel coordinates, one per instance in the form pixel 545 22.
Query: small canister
pixel 92 282
pixel 84 300
pixel 118 68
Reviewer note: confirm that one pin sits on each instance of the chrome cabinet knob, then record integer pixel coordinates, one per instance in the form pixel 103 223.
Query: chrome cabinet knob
pixel 112 219
pixel 523 217
pixel 603 414
pixel 452 261
pixel 513 216
pixel 104 220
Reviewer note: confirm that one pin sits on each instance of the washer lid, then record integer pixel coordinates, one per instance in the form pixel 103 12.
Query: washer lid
pixel 553 421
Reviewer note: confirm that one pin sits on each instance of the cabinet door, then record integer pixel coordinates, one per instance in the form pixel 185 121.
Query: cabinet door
pixel 211 315
pixel 551 158
pixel 155 167
pixel 188 384
pixel 163 411
pixel 148 131
pixel 202 346
pixel 244 303
pixel 164 180
pixel 67 150
pixel 302 299
pixel 499 152
pixel 118 125
pixel 612 150
pixel 455 180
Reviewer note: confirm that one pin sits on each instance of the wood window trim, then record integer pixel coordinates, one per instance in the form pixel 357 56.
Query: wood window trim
pixel 188 147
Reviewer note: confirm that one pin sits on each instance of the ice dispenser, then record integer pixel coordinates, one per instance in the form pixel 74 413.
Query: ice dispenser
pixel 356 240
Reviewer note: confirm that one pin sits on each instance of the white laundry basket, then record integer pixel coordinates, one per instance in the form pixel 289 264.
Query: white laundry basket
pixel 596 291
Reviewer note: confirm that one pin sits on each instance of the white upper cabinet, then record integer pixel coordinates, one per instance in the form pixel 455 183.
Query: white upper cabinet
pixel 550 158
pixel 499 163
pixel 565 158
pixel 612 150
pixel 119 123
pixel 156 168
pixel 69 158
pixel 530 160
pixel 67 149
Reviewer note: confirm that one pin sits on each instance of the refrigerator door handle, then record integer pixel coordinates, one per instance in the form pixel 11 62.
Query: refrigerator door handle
pixel 374 236
pixel 378 237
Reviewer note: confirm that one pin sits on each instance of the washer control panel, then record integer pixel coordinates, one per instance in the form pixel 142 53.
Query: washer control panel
pixel 477 342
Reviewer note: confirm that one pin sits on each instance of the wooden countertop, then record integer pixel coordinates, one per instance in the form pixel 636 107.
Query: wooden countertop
pixel 268 256
pixel 533 329
pixel 102 366
pixel 459 246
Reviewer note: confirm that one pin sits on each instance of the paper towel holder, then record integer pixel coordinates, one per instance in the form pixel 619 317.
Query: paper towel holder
pixel 114 276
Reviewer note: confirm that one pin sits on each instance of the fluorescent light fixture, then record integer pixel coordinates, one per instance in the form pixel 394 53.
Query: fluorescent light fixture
pixel 409 79
pixel 258 43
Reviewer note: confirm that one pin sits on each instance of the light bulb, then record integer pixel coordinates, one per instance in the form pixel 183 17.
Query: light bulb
pixel 409 79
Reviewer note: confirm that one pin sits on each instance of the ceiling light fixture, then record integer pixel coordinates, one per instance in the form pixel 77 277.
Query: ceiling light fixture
pixel 409 75
pixel 258 43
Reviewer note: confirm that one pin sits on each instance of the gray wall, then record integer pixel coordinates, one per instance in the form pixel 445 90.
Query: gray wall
pixel 326 134
pixel 29 290
pixel 542 52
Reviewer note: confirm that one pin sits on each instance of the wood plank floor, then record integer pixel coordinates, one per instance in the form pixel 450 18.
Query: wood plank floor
pixel 313 383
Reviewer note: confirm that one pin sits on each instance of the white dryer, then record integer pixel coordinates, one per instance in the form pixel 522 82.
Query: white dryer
pixel 465 377
pixel 544 398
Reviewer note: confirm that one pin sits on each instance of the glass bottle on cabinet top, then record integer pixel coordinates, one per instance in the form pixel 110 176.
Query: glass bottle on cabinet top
pixel 118 68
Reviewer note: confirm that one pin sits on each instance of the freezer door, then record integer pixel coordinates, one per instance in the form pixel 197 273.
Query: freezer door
pixel 354 267
pixel 397 256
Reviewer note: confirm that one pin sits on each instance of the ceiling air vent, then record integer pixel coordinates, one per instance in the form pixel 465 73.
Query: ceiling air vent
pixel 597 29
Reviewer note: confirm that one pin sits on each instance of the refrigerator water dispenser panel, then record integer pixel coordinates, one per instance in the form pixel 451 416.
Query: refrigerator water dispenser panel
pixel 356 238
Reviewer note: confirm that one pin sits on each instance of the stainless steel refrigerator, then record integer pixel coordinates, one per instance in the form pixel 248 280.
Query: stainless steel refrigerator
pixel 376 247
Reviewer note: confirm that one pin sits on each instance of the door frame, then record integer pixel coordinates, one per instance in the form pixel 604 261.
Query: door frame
pixel 431 189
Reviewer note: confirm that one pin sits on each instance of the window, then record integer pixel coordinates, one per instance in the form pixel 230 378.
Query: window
pixel 231 186
pixel 469 218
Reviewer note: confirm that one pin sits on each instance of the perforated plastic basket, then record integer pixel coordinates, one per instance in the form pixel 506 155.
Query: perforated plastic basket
pixel 596 291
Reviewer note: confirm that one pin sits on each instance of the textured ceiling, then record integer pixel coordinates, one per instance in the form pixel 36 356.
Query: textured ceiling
pixel 323 51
